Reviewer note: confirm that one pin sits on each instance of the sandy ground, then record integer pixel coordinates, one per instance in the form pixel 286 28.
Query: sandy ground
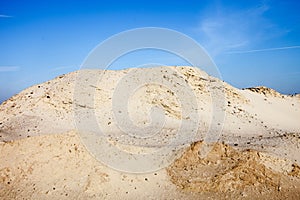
pixel 256 154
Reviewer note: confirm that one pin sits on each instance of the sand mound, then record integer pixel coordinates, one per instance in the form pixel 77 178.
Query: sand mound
pixel 265 91
pixel 42 156
pixel 59 167
pixel 51 104
pixel 229 171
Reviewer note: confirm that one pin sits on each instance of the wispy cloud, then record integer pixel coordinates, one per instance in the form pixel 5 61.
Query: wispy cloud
pixel 61 68
pixel 9 68
pixel 5 16
pixel 262 50
pixel 224 29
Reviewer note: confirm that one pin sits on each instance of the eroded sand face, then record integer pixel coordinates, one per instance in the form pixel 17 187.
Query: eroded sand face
pixel 42 156
pixel 59 167
pixel 234 174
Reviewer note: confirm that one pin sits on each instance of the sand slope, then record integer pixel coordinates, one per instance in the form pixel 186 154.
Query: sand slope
pixel 42 155
pixel 59 167
pixel 50 104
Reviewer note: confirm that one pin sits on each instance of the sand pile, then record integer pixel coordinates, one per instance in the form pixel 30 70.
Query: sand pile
pixel 59 167
pixel 51 104
pixel 257 156
pixel 229 171
pixel 265 91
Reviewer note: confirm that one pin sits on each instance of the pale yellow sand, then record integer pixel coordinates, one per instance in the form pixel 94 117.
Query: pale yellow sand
pixel 42 156
pixel 59 167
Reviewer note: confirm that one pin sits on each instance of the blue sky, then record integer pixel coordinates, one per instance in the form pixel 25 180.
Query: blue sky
pixel 252 42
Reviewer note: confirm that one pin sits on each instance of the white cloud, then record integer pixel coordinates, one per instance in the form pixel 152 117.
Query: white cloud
pixel 5 16
pixel 61 68
pixel 226 29
pixel 9 68
pixel 262 50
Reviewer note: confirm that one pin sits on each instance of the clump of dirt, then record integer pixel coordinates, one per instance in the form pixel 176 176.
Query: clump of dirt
pixel 295 171
pixel 224 170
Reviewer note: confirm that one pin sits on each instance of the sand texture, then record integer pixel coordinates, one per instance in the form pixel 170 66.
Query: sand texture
pixel 254 153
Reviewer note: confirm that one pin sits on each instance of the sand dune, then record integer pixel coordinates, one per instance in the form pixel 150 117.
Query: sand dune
pixel 255 153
